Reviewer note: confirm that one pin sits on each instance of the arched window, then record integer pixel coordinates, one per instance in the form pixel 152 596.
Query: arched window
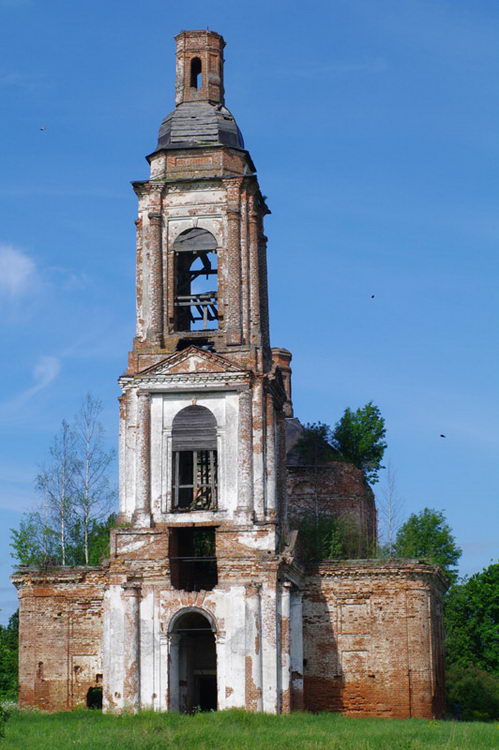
pixel 194 438
pixel 196 281
pixel 196 73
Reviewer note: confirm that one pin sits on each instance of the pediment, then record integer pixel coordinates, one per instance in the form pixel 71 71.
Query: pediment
pixel 190 361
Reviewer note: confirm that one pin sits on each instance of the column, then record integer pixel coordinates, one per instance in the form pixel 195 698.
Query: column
pixel 245 447
pixel 139 280
pixel 142 515
pixel 253 648
pixel 285 701
pixel 296 650
pixel 131 648
pixel 153 250
pixel 232 281
pixel 245 271
pixel 259 487
pixel 270 456
pixel 173 688
pixel 254 275
pixel 221 645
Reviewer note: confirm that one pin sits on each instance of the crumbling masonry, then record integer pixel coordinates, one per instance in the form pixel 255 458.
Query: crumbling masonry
pixel 205 601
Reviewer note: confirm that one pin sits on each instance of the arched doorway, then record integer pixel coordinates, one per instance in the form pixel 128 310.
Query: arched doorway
pixel 193 665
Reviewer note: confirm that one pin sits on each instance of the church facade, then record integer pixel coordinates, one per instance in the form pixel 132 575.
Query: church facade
pixel 206 600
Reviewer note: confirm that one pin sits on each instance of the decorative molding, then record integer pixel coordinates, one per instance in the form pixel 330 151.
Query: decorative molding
pixel 191 352
pixel 195 186
pixel 196 380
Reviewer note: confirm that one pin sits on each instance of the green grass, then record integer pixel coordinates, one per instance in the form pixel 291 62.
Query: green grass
pixel 237 730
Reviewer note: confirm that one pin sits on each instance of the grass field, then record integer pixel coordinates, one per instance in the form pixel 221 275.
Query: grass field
pixel 237 730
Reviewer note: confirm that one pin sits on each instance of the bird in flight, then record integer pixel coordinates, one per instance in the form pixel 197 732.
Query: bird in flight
pixel 44 128
pixel 373 296
pixel 442 435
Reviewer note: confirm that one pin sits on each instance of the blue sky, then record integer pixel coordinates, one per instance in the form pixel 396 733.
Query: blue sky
pixel 373 126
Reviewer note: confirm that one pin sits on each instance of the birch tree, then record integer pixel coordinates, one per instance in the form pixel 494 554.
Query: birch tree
pixel 390 511
pixel 93 494
pixel 71 523
pixel 57 483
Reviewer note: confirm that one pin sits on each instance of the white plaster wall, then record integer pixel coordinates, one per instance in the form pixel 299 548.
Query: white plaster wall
pixel 207 204
pixel 270 649
pixel 235 639
pixel 128 457
pixel 231 648
pixel 165 406
pixel 113 666
pixel 149 651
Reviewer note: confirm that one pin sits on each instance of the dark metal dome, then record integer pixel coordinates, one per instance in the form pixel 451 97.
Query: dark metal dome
pixel 199 124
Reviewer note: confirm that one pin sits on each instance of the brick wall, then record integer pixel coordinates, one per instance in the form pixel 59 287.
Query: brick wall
pixel 373 639
pixel 60 636
pixel 336 490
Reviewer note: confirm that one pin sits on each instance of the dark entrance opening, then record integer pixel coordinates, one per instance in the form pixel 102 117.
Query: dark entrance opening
pixel 94 698
pixel 197 663
pixel 193 562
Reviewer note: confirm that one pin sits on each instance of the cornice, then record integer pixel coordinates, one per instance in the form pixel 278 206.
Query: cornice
pixel 394 569
pixel 26 576
pixel 202 380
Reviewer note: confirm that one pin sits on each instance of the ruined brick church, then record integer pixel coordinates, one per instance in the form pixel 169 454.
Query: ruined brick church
pixel 205 601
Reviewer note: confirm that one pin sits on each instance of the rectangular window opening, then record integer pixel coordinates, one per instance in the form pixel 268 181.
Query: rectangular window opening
pixel 193 562
pixel 194 480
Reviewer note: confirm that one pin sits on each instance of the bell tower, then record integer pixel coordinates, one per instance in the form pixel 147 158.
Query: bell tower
pixel 202 443
pixel 201 268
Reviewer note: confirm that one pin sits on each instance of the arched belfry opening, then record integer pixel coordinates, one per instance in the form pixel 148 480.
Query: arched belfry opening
pixel 193 664
pixel 196 73
pixel 196 281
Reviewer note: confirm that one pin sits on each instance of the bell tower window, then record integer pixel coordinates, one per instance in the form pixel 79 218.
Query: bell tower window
pixel 196 281
pixel 194 470
pixel 196 73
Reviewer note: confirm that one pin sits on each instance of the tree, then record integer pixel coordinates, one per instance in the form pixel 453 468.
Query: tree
pixel 359 438
pixel 34 542
pixel 8 658
pixel 28 550
pixel 56 483
pixel 327 538
pixel 314 444
pixel 472 621
pixel 427 534
pixel 472 693
pixel 471 617
pixel 93 494
pixel 389 510
pixel 76 494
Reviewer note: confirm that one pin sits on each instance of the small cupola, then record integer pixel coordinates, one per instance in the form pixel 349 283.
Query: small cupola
pixel 200 117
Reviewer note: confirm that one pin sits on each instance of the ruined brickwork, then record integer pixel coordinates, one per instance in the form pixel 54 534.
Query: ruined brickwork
pixel 60 636
pixel 373 639
pixel 205 601
pixel 336 490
